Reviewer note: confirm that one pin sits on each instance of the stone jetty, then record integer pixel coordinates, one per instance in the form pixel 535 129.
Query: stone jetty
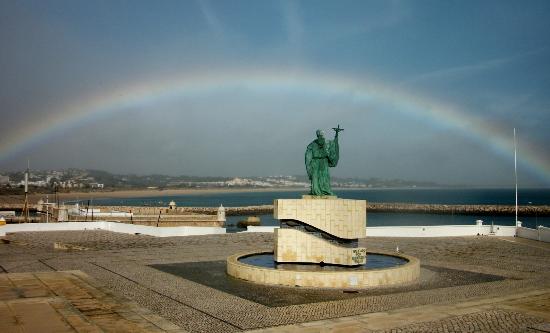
pixel 529 210
pixel 371 207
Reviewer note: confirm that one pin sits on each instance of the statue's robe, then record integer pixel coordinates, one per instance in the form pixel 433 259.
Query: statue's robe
pixel 318 160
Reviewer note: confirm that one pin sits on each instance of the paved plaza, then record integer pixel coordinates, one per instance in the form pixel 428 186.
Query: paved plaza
pixel 112 282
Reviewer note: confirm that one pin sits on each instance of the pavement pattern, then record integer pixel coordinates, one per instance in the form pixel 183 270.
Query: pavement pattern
pixel 65 302
pixel 519 302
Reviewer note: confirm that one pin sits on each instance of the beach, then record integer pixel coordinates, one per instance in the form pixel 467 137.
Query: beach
pixel 67 196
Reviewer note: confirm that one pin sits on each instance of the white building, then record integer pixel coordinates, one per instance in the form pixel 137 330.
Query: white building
pixel 246 182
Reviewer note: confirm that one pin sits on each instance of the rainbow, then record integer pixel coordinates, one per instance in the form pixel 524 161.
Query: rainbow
pixel 496 139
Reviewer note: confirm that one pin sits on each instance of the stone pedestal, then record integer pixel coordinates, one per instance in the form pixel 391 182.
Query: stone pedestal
pixel 320 230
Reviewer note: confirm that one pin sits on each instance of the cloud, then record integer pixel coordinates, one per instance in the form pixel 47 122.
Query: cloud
pixel 293 23
pixel 58 54
pixel 210 17
pixel 458 72
pixel 388 14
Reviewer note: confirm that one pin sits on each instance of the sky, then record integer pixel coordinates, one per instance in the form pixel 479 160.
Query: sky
pixel 425 90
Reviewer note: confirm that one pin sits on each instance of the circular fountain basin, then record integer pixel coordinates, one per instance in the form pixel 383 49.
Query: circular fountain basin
pixel 381 269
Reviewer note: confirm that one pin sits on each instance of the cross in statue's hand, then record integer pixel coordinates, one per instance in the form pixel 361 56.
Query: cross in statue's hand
pixel 337 129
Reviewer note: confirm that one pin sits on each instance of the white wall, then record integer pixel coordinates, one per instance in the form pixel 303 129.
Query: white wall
pixel 440 231
pixel 541 233
pixel 544 234
pixel 112 226
pixel 423 231
pixel 528 233
pixel 252 228
pixel 162 231
pixel 50 226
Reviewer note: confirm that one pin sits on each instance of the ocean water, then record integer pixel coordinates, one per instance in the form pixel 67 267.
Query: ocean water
pixel 421 196
pixel 394 219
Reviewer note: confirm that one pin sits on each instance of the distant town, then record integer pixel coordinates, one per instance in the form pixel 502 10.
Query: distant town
pixel 96 180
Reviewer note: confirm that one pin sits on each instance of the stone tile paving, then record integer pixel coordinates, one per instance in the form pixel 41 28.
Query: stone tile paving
pixel 121 262
pixel 69 302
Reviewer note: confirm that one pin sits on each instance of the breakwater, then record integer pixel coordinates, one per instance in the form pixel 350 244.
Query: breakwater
pixel 492 210
pixel 231 211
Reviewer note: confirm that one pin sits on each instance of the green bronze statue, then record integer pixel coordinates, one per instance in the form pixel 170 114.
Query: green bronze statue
pixel 320 155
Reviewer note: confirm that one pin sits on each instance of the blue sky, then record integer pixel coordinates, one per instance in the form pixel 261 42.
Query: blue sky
pixel 488 60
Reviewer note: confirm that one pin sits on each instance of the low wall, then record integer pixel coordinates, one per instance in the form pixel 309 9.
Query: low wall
pixel 154 221
pixel 252 228
pixel 50 226
pixel 441 231
pixel 426 231
pixel 161 223
pixel 112 226
pixel 540 234
pixel 528 233
pixel 368 278
pixel 544 234
pixel 162 232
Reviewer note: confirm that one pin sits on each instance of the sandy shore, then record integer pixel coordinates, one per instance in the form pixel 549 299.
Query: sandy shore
pixel 138 194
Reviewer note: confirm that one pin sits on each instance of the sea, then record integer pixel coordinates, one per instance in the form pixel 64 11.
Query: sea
pixel 409 195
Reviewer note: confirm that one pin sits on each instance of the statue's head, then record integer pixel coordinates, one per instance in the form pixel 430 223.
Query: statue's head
pixel 320 137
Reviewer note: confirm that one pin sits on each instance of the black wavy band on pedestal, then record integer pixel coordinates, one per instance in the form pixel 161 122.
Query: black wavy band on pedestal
pixel 304 227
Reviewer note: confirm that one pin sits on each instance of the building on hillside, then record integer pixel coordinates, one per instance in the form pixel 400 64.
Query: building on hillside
pixel 4 180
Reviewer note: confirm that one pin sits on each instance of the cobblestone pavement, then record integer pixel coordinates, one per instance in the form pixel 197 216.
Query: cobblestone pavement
pixel 523 312
pixel 121 262
pixel 487 321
